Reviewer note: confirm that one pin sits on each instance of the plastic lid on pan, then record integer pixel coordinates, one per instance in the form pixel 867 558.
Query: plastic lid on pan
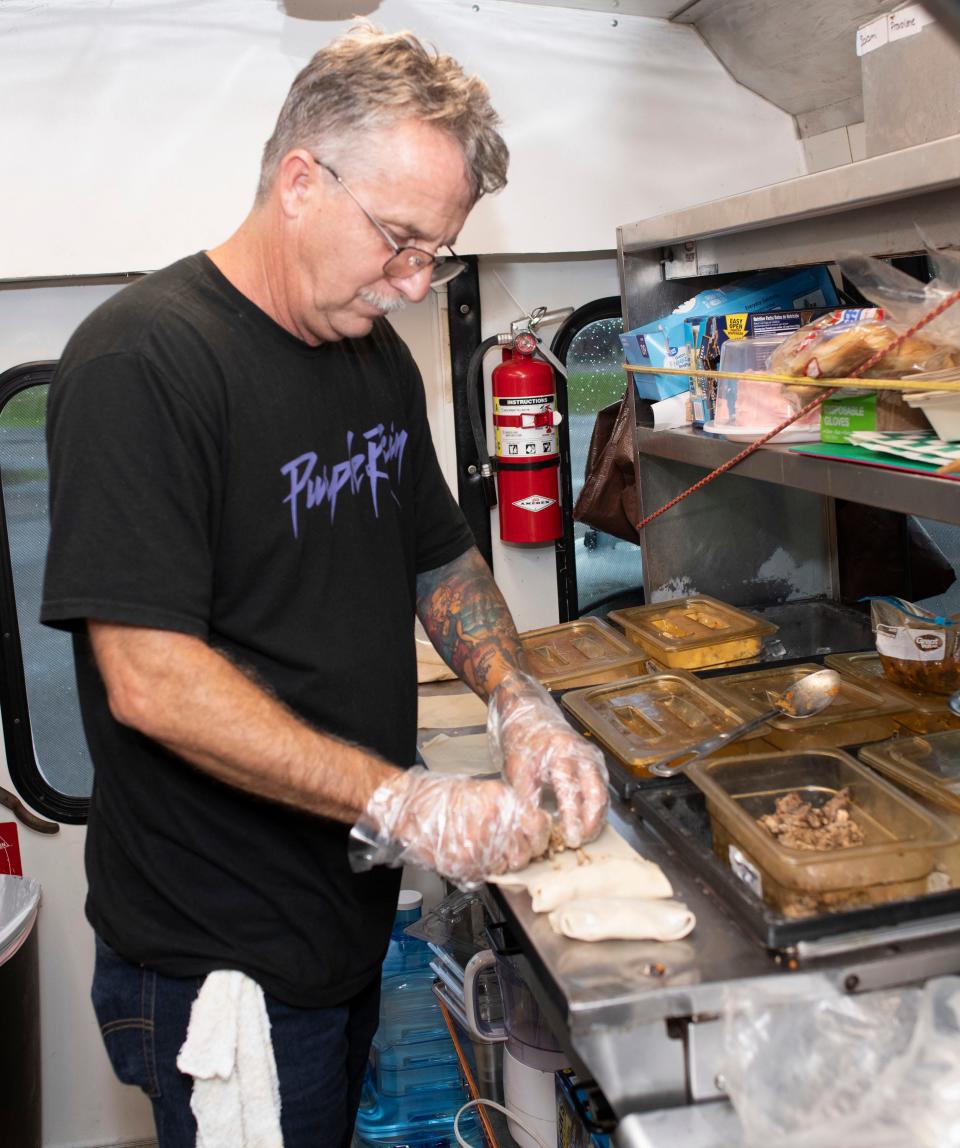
pixel 559 653
pixel 929 766
pixel 899 835
pixel 688 623
pixel 866 666
pixel 855 700
pixel 642 719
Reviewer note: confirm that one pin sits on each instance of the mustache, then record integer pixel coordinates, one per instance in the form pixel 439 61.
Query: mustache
pixel 385 303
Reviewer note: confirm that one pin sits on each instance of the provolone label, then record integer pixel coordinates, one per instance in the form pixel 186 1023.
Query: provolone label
pixel 907 21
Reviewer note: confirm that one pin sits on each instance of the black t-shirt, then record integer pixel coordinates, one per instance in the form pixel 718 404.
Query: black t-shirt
pixel 212 474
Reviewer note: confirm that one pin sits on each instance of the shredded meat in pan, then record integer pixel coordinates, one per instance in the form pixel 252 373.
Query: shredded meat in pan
pixel 798 825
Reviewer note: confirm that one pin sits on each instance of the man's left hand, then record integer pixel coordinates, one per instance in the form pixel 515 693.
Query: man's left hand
pixel 539 750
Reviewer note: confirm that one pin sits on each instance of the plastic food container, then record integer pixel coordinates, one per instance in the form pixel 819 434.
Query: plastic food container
pixel 927 712
pixel 693 633
pixel 896 860
pixel 859 713
pixel 942 409
pixel 581 653
pixel 647 717
pixel 746 409
pixel 929 766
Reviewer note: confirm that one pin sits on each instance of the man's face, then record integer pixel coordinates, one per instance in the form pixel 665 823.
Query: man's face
pixel 412 180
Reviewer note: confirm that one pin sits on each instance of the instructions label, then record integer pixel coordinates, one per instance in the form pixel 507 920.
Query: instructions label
pixel 525 426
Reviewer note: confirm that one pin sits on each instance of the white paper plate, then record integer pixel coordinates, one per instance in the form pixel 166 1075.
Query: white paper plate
pixel 751 434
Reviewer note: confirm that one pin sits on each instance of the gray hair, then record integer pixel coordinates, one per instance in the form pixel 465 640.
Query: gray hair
pixel 368 80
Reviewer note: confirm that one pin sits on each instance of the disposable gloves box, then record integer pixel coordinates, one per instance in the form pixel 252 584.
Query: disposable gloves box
pixel 873 411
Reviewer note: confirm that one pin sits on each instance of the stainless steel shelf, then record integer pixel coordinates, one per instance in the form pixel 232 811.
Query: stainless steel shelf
pixel 871 205
pixel 925 495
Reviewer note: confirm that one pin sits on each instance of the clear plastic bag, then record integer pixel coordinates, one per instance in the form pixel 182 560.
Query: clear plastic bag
pixel 810 1067
pixel 837 344
pixel 463 828
pixel 918 650
pixel 906 300
pixel 541 755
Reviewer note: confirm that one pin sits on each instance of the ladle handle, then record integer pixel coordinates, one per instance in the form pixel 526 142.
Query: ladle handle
pixel 663 768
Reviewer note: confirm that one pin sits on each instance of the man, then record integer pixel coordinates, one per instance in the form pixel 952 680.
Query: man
pixel 246 512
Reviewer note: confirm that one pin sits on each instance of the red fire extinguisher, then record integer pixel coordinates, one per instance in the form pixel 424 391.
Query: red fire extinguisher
pixel 525 422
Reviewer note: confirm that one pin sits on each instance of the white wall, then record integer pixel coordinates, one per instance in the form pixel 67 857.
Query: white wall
pixel 131 132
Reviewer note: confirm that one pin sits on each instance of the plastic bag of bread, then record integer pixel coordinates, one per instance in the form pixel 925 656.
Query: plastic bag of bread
pixel 837 344
pixel 918 650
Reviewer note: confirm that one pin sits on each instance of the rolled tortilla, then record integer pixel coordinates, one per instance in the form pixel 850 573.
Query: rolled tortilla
pixel 610 877
pixel 622 919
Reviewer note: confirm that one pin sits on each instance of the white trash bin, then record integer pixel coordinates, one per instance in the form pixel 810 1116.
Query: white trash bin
pixel 20 1095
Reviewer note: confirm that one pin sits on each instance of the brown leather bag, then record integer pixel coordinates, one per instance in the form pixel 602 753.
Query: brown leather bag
pixel 608 500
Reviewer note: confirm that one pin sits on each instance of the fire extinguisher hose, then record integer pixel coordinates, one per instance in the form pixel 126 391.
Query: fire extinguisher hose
pixel 474 383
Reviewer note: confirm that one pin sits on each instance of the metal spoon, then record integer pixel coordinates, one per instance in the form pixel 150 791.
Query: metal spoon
pixel 806 697
pixel 954 701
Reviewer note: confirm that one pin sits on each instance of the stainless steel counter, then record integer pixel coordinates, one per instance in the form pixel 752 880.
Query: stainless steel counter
pixel 615 983
pixel 644 1017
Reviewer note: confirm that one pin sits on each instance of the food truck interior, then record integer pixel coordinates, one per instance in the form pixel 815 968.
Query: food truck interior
pixel 727 266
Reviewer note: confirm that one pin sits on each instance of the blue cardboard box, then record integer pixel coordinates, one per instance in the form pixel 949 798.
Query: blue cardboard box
pixel 667 341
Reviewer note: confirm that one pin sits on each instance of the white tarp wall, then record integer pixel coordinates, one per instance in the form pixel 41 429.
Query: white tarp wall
pixel 131 131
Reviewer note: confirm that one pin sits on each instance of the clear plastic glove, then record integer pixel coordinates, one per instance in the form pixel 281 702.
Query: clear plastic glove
pixel 461 828
pixel 537 748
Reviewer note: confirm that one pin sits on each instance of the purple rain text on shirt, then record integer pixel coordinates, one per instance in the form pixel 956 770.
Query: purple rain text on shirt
pixel 312 484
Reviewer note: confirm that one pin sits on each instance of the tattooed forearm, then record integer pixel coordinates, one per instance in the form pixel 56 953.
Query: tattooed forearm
pixel 468 622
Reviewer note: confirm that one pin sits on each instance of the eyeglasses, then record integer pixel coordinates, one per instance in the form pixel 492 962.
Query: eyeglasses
pixel 405 261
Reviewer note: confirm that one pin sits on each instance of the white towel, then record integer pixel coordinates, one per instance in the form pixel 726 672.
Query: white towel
pixel 229 1054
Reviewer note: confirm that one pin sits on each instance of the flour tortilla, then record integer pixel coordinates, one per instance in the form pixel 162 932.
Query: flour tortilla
pixel 623 919
pixel 464 753
pixel 451 711
pixel 610 877
pixel 608 843
pixel 608 846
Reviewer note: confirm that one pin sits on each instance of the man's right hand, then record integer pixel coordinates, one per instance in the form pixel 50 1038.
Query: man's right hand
pixel 464 829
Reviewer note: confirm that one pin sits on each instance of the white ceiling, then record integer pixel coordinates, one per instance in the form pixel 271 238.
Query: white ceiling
pixel 665 9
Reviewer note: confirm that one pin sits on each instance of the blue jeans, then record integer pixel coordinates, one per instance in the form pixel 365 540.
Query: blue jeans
pixel 321 1053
